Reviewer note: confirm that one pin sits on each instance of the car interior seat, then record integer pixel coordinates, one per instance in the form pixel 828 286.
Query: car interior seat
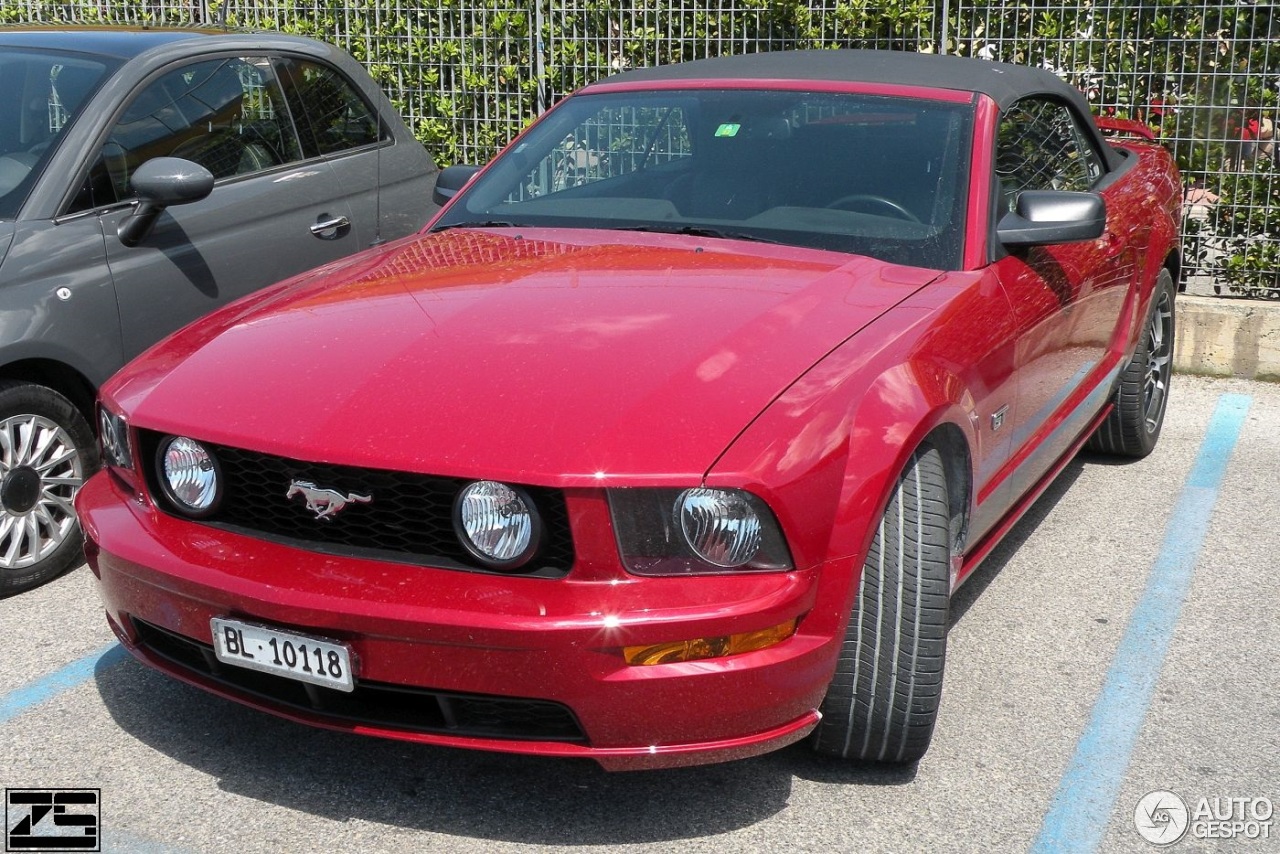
pixel 225 153
pixel 737 167
pixel 14 169
pixel 222 140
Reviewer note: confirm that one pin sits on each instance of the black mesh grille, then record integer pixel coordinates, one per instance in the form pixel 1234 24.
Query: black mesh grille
pixel 374 703
pixel 409 517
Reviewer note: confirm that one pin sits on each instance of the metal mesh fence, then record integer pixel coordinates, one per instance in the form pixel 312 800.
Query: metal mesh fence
pixel 469 74
pixel 1203 75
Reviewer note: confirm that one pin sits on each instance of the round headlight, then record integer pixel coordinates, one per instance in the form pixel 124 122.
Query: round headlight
pixel 719 525
pixel 189 475
pixel 497 524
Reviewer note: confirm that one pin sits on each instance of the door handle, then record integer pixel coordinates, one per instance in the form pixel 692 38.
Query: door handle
pixel 330 228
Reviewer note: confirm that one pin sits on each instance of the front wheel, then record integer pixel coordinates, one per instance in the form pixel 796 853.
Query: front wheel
pixel 883 700
pixel 46 451
pixel 1137 414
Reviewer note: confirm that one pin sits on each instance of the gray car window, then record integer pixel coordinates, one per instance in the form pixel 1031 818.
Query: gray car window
pixel 331 114
pixel 1040 146
pixel 227 114
pixel 41 94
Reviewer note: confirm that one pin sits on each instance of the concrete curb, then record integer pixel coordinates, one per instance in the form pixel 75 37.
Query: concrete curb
pixel 1227 338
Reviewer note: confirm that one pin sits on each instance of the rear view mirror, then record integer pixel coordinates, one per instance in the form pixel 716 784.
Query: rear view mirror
pixel 450 180
pixel 159 183
pixel 1043 217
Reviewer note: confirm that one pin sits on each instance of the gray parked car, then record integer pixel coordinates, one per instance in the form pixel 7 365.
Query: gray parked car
pixel 147 177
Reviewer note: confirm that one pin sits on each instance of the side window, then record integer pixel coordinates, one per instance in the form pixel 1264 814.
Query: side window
pixel 1041 147
pixel 331 115
pixel 228 115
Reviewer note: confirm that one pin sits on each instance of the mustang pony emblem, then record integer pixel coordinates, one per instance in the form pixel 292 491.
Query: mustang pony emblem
pixel 324 502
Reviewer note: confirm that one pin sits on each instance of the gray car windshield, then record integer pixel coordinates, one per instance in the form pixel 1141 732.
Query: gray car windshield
pixel 872 175
pixel 41 95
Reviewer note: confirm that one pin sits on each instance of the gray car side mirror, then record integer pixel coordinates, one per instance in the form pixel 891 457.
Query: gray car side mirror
pixel 450 180
pixel 158 183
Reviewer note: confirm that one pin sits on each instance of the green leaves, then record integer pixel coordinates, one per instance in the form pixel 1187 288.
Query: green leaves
pixel 1246 222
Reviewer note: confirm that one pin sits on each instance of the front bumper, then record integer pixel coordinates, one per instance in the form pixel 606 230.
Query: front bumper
pixel 523 665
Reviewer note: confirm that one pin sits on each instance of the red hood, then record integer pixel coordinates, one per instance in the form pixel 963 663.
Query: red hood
pixel 542 357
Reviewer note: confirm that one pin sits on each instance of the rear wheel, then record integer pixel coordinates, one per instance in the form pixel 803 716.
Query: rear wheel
pixel 883 701
pixel 46 452
pixel 1133 427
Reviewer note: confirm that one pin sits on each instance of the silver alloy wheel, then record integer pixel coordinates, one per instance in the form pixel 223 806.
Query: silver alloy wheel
pixel 40 472
pixel 1159 360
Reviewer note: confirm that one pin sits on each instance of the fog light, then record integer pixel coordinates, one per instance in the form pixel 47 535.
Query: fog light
pixel 714 647
pixel 189 476
pixel 497 524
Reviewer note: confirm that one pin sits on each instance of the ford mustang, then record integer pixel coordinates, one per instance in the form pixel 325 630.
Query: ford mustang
pixel 669 438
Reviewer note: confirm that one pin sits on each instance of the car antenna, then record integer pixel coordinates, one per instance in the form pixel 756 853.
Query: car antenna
pixel 222 17
pixel 377 170
pixel 377 179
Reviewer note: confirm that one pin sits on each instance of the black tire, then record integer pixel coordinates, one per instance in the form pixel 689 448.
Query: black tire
pixel 883 701
pixel 1142 392
pixel 46 451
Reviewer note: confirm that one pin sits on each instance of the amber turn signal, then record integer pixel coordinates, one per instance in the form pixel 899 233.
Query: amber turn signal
pixel 700 648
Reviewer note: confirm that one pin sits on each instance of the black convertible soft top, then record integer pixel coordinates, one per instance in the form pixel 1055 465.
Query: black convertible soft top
pixel 1003 82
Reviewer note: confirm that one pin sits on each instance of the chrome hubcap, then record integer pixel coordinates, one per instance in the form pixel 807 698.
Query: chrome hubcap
pixel 1159 361
pixel 40 472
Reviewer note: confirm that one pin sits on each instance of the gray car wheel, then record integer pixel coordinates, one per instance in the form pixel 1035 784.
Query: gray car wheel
pixel 46 452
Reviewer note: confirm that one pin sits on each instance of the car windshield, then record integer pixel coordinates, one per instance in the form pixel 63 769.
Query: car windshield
pixel 867 174
pixel 41 94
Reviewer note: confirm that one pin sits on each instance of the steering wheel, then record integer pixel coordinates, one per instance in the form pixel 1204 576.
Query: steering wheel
pixel 850 202
pixel 13 169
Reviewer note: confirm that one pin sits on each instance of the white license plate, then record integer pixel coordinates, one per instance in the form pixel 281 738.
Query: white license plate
pixel 288 654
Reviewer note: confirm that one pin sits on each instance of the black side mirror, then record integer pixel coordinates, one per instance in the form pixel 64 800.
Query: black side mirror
pixel 450 180
pixel 1043 217
pixel 158 183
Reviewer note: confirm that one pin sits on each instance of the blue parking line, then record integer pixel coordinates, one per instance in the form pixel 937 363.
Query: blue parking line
pixel 77 672
pixel 13 704
pixel 1086 795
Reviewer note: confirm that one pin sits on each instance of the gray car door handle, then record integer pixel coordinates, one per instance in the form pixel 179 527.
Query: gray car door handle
pixel 328 229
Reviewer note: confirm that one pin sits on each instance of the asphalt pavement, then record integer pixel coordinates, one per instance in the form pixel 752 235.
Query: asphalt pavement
pixel 1115 663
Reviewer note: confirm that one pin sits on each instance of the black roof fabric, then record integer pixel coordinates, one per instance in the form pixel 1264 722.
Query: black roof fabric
pixel 1003 82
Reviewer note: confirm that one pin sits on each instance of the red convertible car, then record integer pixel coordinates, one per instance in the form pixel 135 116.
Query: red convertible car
pixel 669 439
